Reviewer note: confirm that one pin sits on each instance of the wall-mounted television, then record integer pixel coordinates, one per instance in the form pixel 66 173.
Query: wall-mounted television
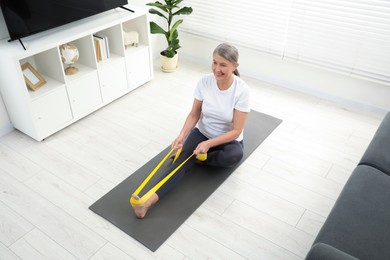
pixel 27 17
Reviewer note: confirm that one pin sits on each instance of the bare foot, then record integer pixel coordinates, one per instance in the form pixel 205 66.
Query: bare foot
pixel 140 211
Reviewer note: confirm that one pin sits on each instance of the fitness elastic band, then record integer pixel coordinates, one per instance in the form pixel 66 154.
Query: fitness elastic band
pixel 146 196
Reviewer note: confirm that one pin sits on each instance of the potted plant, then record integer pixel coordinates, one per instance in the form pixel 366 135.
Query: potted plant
pixel 168 10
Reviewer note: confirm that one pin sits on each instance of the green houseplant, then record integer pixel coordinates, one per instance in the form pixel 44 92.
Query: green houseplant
pixel 168 10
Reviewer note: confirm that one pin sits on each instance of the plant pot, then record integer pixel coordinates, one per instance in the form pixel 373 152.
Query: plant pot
pixel 169 64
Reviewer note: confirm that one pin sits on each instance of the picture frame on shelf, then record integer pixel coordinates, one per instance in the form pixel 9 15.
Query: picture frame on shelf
pixel 33 78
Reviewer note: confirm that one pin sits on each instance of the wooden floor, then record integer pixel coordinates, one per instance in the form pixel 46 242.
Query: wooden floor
pixel 271 208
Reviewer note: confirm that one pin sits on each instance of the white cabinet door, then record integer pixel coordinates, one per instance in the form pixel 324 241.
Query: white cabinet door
pixel 84 94
pixel 113 81
pixel 51 111
pixel 138 67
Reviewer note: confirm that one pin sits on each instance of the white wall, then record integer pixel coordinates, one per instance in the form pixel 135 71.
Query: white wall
pixel 350 91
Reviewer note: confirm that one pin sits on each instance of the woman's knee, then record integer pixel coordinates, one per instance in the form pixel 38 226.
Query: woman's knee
pixel 235 158
pixel 225 158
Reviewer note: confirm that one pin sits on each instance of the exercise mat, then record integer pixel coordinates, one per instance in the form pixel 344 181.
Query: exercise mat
pixel 178 204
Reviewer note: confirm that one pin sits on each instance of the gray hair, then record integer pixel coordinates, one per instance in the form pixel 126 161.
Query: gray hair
pixel 229 53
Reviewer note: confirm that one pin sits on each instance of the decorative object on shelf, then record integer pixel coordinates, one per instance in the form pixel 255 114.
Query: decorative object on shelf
pixel 69 56
pixel 33 78
pixel 130 38
pixel 171 34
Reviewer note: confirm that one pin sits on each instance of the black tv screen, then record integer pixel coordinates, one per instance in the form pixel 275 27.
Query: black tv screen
pixel 26 17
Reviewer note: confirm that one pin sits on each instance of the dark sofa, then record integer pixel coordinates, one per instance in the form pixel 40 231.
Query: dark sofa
pixel 358 226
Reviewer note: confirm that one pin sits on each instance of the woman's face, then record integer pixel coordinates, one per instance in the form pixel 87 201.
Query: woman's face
pixel 222 68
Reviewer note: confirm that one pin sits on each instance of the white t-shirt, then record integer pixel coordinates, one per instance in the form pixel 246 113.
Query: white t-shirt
pixel 218 105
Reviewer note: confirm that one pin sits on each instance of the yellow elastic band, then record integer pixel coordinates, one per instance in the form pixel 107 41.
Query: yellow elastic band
pixel 146 196
pixel 176 155
pixel 152 173
pixel 202 157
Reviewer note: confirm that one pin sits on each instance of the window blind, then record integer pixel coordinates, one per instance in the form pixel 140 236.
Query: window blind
pixel 347 36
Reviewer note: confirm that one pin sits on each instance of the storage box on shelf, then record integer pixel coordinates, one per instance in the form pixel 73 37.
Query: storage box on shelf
pixel 64 99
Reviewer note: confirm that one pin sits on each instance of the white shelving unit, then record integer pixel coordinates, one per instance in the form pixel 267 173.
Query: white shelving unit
pixel 64 99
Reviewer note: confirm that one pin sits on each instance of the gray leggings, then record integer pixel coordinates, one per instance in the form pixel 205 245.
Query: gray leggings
pixel 225 155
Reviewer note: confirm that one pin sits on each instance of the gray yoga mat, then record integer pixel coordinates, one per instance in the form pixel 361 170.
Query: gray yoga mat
pixel 174 208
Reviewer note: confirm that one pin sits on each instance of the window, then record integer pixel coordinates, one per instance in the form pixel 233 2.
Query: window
pixel 347 36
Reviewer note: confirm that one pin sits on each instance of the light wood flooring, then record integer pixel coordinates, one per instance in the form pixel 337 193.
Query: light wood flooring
pixel 271 208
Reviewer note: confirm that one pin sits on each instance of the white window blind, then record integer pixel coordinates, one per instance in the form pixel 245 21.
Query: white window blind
pixel 348 36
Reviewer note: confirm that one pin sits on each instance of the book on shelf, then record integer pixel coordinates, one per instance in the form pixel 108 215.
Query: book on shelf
pixel 97 49
pixel 101 47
